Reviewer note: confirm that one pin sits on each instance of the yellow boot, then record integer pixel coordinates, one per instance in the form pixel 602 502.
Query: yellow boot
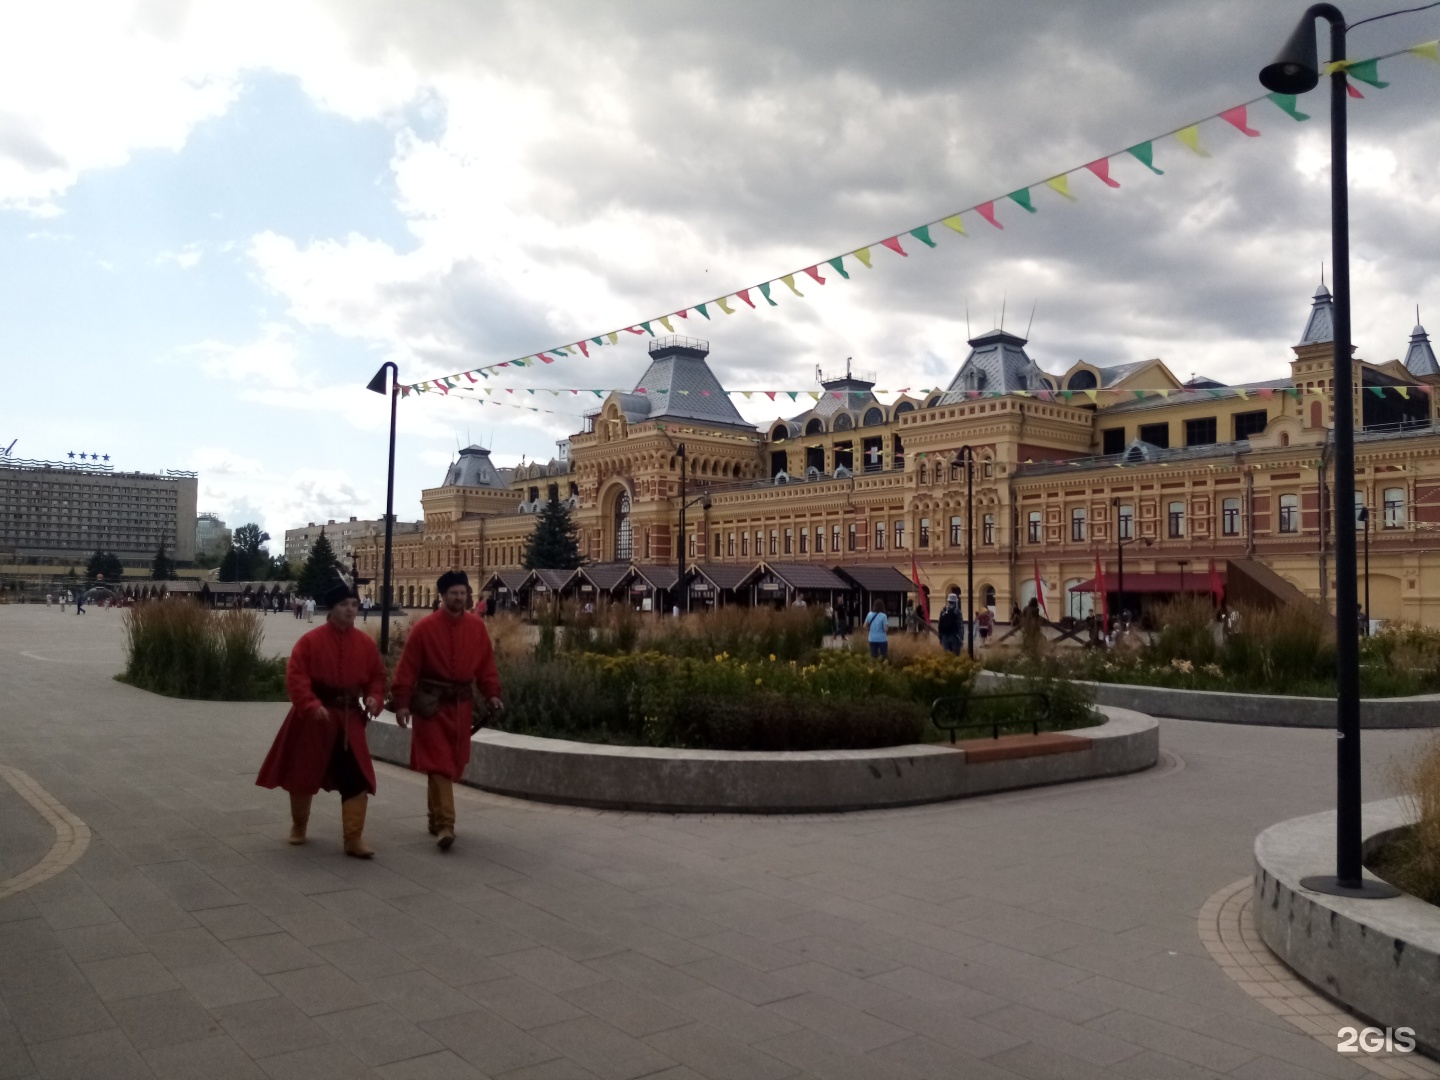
pixel 432 799
pixel 352 816
pixel 444 811
pixel 299 817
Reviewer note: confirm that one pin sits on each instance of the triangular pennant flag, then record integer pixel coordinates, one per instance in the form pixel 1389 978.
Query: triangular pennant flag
pixel 1368 71
pixel 765 292
pixel 547 359
pixel 1237 117
pixel 1101 168
pixel 665 322
pixel 1267 393
pixel 554 393
pixel 746 394
pixel 1354 91
pixel 744 294
pixel 922 233
pixel 404 391
pixel 1068 394
pixel 598 341
pixel 894 245
pixel 1379 391
pixel 987 211
pixel 1093 395
pixel 769 393
pixel 814 395
pixel 953 222
pixel 637 330
pixel 789 280
pixel 582 347
pixel 489 391
pixel 471 377
pixel 839 264
pixel 1288 102
pixel 560 352
pixel 684 314
pixel 1403 391
pixel 701 309
pixel 531 392
pixel 1145 154
pixel 1022 198
pixel 814 272
pixel 704 393
pixel 1190 136
pixel 793 394
pixel 1060 184
pixel 1163 393
pixel 1429 50
pixel 1244 395
pixel 863 254
pixel 1214 393
pixel 837 395
pixel 726 308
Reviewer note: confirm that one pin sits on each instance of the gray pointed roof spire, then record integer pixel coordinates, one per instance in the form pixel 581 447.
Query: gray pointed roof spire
pixel 679 385
pixel 1320 327
pixel 1420 357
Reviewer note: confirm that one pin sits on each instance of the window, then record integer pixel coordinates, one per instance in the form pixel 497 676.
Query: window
pixel 835 539
pixel 819 539
pixel 1033 535
pixel 715 547
pixel 1394 508
pixel 1289 513
pixel 624 538
pixel 1082 380
pixel 1112 440
pixel 692 545
pixel 1177 520
pixel 924 475
pixel 744 544
pixel 804 541
pixel 955 532
pixel 1125 522
pixel 989 529
pixel 774 542
pixel 1250 423
pixel 851 538
pixel 879 536
pixel 730 544
pixel 1230 517
pixel 1156 435
pixel 1200 432
pixel 1361 511
pixel 899 535
pixel 789 541
pixel 1077 523
pixel 759 543
pixel 924 532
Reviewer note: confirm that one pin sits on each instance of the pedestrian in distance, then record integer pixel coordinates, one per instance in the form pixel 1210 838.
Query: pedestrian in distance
pixel 80 603
pixel 310 609
pixel 446 668
pixel 878 624
pixel 949 626
pixel 336 681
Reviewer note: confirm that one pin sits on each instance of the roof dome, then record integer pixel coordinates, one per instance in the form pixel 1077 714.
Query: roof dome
pixel 473 469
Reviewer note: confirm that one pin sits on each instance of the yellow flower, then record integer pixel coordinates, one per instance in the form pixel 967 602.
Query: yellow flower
pixel 757 682
pixel 772 658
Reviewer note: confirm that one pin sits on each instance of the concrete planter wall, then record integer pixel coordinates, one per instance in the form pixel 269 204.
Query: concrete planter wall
pixel 1378 958
pixel 649 778
pixel 1273 710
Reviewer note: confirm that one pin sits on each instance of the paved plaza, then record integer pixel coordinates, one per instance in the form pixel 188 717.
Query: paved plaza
pixel 1043 934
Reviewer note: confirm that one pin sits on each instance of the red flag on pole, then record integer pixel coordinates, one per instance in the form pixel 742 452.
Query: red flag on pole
pixel 1217 588
pixel 1040 590
pixel 1100 588
pixel 920 602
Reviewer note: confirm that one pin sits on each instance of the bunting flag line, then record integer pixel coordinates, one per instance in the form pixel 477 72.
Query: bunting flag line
pixel 1236 117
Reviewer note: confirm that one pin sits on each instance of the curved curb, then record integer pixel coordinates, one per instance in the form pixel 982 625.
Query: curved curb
pixel 72 836
pixel 718 781
pixel 1227 930
pixel 1380 958
pixel 1262 710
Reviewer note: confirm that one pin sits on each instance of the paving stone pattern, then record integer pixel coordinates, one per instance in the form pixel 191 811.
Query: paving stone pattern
pixel 1041 934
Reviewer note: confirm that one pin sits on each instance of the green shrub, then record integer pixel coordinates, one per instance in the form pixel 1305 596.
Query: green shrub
pixel 181 649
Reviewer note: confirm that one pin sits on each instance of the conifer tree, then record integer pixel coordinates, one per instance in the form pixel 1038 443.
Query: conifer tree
pixel 319 570
pixel 163 567
pixel 554 544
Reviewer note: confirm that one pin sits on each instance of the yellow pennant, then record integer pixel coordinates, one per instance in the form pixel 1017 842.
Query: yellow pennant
pixel 1190 136
pixel 489 391
pixel 789 279
pixel 726 308
pixel 746 394
pixel 1163 393
pixel 1093 395
pixel 1332 66
pixel 863 254
pixel 1429 50
pixel 1403 391
pixel 614 336
pixel 814 395
pixel 665 322
pixel 1241 391
pixel 953 222
pixel 1061 184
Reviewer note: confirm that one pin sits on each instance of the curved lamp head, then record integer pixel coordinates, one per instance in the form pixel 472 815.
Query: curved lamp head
pixel 1296 68
pixel 378 383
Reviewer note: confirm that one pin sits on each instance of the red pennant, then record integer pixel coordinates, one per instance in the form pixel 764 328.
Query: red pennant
pixel 1236 116
pixel 641 390
pixel 684 314
pixel 770 394
pixel 1101 169
pixel 704 393
pixel 583 349
pixel 404 391
pixel 1352 91
pixel 835 394
pixel 894 245
pixel 1267 393
pixel 814 272
pixel 635 330
pixel 509 389
pixel 471 377
pixel 987 211
pixel 744 294
pixel 547 359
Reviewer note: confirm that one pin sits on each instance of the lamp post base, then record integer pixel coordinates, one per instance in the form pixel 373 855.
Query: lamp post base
pixel 1365 889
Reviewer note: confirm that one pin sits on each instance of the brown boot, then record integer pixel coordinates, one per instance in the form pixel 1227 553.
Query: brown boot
pixel 444 811
pixel 352 815
pixel 299 817
pixel 432 799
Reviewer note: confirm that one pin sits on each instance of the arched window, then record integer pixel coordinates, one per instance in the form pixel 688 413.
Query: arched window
pixel 990 596
pixel 814 427
pixel 874 416
pixel 924 474
pixel 843 422
pixel 933 402
pixel 1082 380
pixel 903 408
pixel 778 435
pixel 624 539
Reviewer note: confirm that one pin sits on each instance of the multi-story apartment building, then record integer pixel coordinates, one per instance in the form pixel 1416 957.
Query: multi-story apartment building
pixel 346 537
pixel 60 513
pixel 212 537
pixel 1068 467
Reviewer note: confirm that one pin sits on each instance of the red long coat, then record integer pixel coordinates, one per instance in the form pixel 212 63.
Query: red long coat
pixel 441 646
pixel 301 752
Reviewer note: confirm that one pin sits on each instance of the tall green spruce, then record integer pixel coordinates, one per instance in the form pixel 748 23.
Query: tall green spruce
pixel 104 564
pixel 163 567
pixel 554 545
pixel 319 569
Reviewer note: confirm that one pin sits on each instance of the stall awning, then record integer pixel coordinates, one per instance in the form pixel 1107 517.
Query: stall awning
pixel 607 577
pixel 725 576
pixel 876 578
pixel 806 576
pixel 1163 582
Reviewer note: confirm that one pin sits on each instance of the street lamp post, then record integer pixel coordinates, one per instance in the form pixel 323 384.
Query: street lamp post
pixel 1121 541
pixel 1363 513
pixel 968 454
pixel 1183 563
pixel 377 384
pixel 1296 70
pixel 704 501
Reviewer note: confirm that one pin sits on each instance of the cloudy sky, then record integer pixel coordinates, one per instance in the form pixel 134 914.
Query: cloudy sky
pixel 217 220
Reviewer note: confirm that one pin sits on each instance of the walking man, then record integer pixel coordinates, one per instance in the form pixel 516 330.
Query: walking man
pixel 949 626
pixel 447 656
pixel 80 603
pixel 335 680
pixel 878 625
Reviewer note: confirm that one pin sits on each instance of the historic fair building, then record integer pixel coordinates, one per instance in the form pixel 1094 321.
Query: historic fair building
pixel 1068 469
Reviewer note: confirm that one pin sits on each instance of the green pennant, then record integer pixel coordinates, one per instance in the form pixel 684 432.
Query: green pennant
pixel 701 309
pixel 1022 198
pixel 839 264
pixel 923 235
pixel 598 393
pixel 1378 391
pixel 597 341
pixel 792 393
pixel 1068 395
pixel 765 292
pixel 1367 71
pixel 1288 103
pixel 646 327
pixel 1145 154
pixel 1214 393
pixel 1139 394
pixel 530 392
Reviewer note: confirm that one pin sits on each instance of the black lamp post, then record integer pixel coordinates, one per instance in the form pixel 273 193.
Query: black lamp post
pixel 1296 70
pixel 1120 543
pixel 967 454
pixel 1183 563
pixel 704 501
pixel 377 384
pixel 1362 514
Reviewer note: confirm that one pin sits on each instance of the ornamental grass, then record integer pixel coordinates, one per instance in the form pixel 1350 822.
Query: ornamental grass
pixel 1410 860
pixel 180 648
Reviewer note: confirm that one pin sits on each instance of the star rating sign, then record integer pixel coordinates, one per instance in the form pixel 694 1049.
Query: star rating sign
pixel 72 455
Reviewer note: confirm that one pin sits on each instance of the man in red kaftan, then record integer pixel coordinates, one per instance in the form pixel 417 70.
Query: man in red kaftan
pixel 447 655
pixel 335 679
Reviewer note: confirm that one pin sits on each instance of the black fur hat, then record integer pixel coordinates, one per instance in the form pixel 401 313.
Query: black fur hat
pixel 339 591
pixel 450 579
